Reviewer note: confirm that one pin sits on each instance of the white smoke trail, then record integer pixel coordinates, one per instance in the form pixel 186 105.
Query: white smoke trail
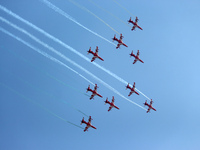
pixel 61 12
pixel 124 8
pixel 43 53
pixel 72 62
pixel 83 8
pixel 65 45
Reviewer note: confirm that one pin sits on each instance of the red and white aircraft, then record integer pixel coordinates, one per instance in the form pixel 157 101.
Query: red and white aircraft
pixel 134 23
pixel 111 103
pixel 119 41
pixel 136 57
pixel 88 124
pixel 149 105
pixel 95 55
pixel 132 89
pixel 94 92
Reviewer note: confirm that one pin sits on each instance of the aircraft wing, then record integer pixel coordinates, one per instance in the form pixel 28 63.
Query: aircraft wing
pixel 95 88
pixel 110 108
pixel 133 28
pixel 138 53
pixel 148 109
pixel 134 61
pixel 118 46
pixel 113 100
pixel 96 51
pixel 92 96
pixel 131 92
pixel 86 128
pixel 93 58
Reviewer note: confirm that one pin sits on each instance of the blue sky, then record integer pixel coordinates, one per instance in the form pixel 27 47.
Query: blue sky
pixel 39 97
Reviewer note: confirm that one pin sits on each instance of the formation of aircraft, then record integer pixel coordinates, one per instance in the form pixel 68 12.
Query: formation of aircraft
pixel 135 24
pixel 111 103
pixel 94 92
pixel 132 89
pixel 95 54
pixel 136 57
pixel 149 105
pixel 119 41
pixel 88 124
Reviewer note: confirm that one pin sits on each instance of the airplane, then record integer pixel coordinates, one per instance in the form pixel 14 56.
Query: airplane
pixel 95 54
pixel 119 41
pixel 94 92
pixel 111 103
pixel 132 89
pixel 88 124
pixel 136 57
pixel 149 105
pixel 134 23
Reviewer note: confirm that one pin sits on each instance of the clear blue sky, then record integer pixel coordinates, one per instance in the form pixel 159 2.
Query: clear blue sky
pixel 38 95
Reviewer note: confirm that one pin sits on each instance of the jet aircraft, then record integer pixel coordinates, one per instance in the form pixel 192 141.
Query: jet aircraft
pixel 149 105
pixel 88 124
pixel 132 89
pixel 95 54
pixel 135 24
pixel 119 41
pixel 136 57
pixel 94 92
pixel 111 103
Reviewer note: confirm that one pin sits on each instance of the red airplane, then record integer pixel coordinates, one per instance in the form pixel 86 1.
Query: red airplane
pixel 94 92
pixel 88 124
pixel 111 103
pixel 136 57
pixel 132 89
pixel 119 41
pixel 95 55
pixel 149 105
pixel 134 23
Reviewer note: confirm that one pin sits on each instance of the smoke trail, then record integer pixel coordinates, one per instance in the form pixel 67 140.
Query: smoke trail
pixel 123 8
pixel 72 62
pixel 78 5
pixel 29 84
pixel 109 13
pixel 65 45
pixel 39 105
pixel 43 53
pixel 58 10
pixel 49 75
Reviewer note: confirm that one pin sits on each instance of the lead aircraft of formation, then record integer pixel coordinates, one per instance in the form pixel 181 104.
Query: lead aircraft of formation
pixel 135 24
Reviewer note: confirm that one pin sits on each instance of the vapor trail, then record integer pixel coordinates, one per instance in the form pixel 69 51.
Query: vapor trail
pixel 39 105
pixel 47 93
pixel 123 8
pixel 109 13
pixel 43 53
pixel 65 45
pixel 61 12
pixel 85 9
pixel 72 62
